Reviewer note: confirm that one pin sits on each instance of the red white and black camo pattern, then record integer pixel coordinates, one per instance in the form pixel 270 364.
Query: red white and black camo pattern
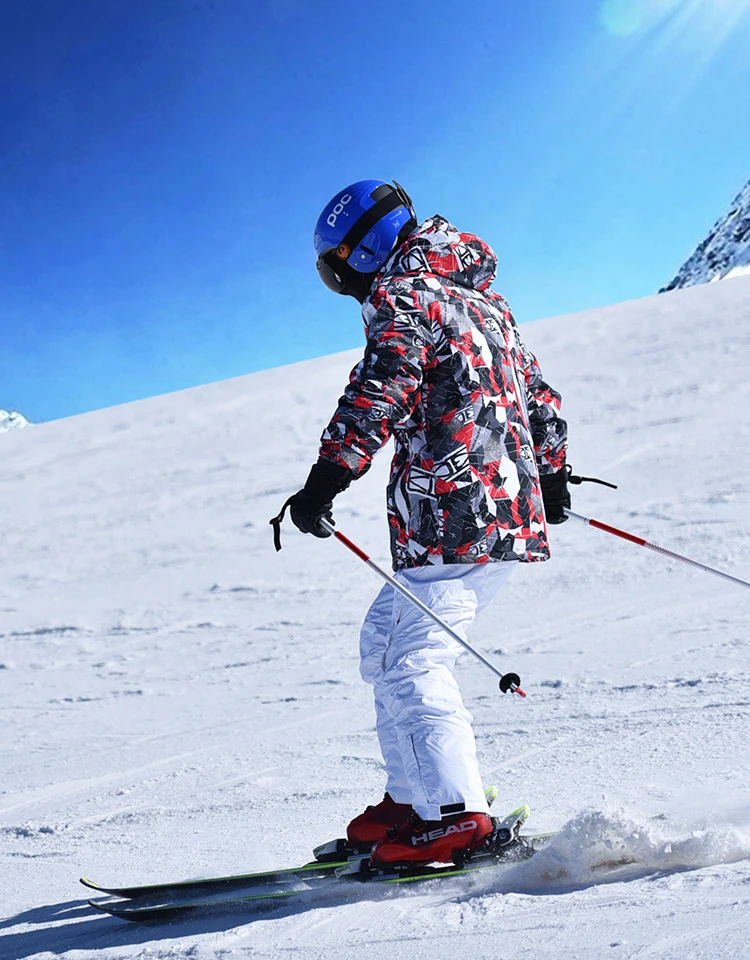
pixel 446 374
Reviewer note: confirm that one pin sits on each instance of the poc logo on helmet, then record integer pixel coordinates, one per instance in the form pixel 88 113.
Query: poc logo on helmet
pixel 338 210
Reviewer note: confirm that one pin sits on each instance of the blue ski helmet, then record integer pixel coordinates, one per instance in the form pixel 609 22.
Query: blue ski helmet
pixel 357 231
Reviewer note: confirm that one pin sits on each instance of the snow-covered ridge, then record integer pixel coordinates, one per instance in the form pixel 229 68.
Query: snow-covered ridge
pixel 724 253
pixel 9 420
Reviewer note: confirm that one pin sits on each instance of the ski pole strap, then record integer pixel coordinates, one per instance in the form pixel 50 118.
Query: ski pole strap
pixel 577 480
pixel 276 524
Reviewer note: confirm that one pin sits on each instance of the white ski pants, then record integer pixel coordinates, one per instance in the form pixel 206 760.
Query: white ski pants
pixel 424 729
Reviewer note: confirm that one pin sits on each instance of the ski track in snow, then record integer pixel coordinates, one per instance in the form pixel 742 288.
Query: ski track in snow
pixel 179 701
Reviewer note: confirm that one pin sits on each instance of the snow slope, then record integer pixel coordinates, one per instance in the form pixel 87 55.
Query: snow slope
pixel 177 700
pixel 10 420
pixel 724 253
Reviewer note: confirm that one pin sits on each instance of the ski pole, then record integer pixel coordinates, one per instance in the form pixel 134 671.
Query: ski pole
pixel 632 538
pixel 508 681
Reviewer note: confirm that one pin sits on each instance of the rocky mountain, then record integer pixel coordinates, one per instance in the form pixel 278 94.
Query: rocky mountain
pixel 11 421
pixel 724 253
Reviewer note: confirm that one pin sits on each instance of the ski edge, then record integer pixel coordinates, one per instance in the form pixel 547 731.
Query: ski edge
pixel 133 892
pixel 130 910
pixel 126 910
pixel 127 907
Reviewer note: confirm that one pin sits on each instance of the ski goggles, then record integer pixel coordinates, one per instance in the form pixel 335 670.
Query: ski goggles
pixel 330 271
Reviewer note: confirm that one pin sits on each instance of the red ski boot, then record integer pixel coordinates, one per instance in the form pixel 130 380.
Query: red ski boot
pixel 419 841
pixel 371 825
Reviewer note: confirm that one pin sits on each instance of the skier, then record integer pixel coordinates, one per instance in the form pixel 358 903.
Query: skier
pixel 479 460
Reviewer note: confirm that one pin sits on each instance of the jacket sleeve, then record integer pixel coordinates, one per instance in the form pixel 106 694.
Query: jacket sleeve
pixel 383 388
pixel 548 430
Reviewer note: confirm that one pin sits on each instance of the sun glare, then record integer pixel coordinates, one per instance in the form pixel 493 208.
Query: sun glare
pixel 667 48
pixel 624 18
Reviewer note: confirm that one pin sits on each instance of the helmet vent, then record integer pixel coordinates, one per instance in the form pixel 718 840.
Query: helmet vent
pixel 380 192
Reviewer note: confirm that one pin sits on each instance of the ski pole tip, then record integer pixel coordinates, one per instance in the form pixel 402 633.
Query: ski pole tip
pixel 511 683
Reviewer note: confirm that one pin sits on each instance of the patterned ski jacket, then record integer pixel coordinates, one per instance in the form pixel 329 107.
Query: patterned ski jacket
pixel 446 374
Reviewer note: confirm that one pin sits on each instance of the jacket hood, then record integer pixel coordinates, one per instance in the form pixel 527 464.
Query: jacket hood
pixel 437 247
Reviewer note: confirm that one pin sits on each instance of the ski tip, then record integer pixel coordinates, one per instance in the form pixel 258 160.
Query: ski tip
pixel 111 909
pixel 98 906
pixel 89 883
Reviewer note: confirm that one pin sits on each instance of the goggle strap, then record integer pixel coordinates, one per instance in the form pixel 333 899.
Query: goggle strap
pixel 370 217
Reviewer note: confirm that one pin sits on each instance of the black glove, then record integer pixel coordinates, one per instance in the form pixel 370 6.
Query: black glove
pixel 315 500
pixel 555 495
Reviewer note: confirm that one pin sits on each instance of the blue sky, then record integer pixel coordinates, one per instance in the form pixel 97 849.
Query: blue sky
pixel 162 166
